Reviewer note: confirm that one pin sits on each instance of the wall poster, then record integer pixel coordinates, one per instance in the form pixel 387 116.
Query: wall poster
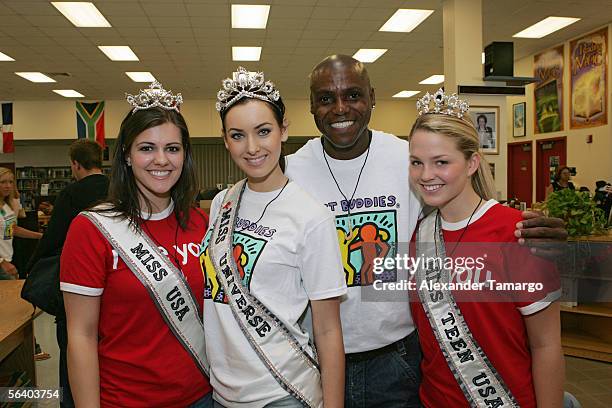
pixel 588 80
pixel 548 93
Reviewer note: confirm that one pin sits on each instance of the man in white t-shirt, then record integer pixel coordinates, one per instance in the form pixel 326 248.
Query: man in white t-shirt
pixel 361 175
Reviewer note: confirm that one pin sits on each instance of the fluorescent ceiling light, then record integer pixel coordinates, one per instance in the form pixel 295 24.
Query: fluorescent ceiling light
pixel 69 93
pixel 141 76
pixel 405 94
pixel 118 52
pixel 4 57
pixel 369 54
pixel 81 14
pixel 250 16
pixel 246 53
pixel 405 20
pixel 433 80
pixel 35 76
pixel 547 26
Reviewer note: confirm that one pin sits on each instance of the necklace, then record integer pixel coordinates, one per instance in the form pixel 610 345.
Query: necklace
pixel 462 232
pixel 266 207
pixel 348 202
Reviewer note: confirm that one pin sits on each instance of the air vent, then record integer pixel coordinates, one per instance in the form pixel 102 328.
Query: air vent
pixel 58 74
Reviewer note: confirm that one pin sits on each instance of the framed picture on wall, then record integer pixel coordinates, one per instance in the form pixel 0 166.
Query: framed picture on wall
pixel 486 120
pixel 518 119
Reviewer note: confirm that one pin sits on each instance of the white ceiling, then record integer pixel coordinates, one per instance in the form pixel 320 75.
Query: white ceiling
pixel 186 44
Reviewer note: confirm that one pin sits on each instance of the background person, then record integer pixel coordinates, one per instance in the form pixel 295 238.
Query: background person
pixel 561 180
pixel 10 208
pixel 90 187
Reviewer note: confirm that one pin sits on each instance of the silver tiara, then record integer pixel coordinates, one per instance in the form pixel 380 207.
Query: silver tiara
pixel 154 96
pixel 245 84
pixel 442 103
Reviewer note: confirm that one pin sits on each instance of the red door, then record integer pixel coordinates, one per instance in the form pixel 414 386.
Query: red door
pixel 520 172
pixel 551 153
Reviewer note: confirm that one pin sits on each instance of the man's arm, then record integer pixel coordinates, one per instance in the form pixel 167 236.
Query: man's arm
pixel 55 235
pixel 544 235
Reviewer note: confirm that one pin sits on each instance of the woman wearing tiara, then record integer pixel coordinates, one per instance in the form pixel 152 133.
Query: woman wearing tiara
pixel 271 252
pixel 130 272
pixel 488 349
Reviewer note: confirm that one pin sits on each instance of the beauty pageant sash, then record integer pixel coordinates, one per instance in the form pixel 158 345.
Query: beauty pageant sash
pixel 299 375
pixel 164 282
pixel 478 379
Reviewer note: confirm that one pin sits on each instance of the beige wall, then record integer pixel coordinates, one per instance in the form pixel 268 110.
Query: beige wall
pixel 57 119
pixel 593 161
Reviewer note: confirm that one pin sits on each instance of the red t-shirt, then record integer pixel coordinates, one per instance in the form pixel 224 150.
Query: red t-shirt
pixel 141 361
pixel 498 327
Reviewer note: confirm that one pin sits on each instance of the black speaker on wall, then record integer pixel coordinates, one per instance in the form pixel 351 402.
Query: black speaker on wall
pixel 499 59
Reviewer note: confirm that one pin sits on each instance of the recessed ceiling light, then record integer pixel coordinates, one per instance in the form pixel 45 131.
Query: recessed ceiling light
pixel 69 93
pixel 369 54
pixel 250 16
pixel 118 52
pixel 433 80
pixel 405 94
pixel 81 14
pixel 547 26
pixel 141 76
pixel 35 76
pixel 246 53
pixel 4 57
pixel 405 20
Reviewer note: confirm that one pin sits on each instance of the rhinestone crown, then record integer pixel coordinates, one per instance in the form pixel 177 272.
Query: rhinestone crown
pixel 155 95
pixel 245 84
pixel 442 103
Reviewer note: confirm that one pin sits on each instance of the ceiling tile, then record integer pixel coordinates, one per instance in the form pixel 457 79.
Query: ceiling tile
pixel 331 13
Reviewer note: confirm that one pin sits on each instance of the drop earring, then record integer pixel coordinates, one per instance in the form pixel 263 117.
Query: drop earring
pixel 129 162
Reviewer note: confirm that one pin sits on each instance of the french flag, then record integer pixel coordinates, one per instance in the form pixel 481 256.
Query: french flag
pixel 7 128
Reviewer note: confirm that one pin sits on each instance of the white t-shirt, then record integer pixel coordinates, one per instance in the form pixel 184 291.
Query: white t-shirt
pixel 8 220
pixel 287 259
pixel 385 206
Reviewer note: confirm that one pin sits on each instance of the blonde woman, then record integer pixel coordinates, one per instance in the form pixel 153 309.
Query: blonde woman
pixel 9 212
pixel 488 349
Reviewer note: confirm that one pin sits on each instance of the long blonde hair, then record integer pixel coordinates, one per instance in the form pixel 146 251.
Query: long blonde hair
pixel 467 141
pixel 11 199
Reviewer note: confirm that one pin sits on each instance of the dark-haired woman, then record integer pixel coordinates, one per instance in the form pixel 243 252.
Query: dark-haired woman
pixel 130 272
pixel 272 251
pixel 561 180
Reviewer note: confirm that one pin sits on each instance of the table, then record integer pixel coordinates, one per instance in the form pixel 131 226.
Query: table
pixel 16 331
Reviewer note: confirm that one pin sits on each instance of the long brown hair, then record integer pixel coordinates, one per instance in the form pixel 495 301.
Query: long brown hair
pixel 463 132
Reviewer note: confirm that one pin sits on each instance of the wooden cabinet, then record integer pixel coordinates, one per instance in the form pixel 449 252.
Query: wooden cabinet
pixel 16 331
pixel 587 327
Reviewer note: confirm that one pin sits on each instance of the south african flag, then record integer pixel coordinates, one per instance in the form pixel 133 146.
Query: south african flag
pixel 90 121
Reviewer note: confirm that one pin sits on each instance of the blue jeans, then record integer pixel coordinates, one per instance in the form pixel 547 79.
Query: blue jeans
pixel 286 402
pixel 204 402
pixel 389 380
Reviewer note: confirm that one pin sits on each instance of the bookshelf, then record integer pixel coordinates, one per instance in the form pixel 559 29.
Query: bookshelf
pixel 30 181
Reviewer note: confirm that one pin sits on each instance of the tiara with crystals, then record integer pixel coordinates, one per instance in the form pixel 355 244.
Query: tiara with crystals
pixel 154 96
pixel 245 84
pixel 442 103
